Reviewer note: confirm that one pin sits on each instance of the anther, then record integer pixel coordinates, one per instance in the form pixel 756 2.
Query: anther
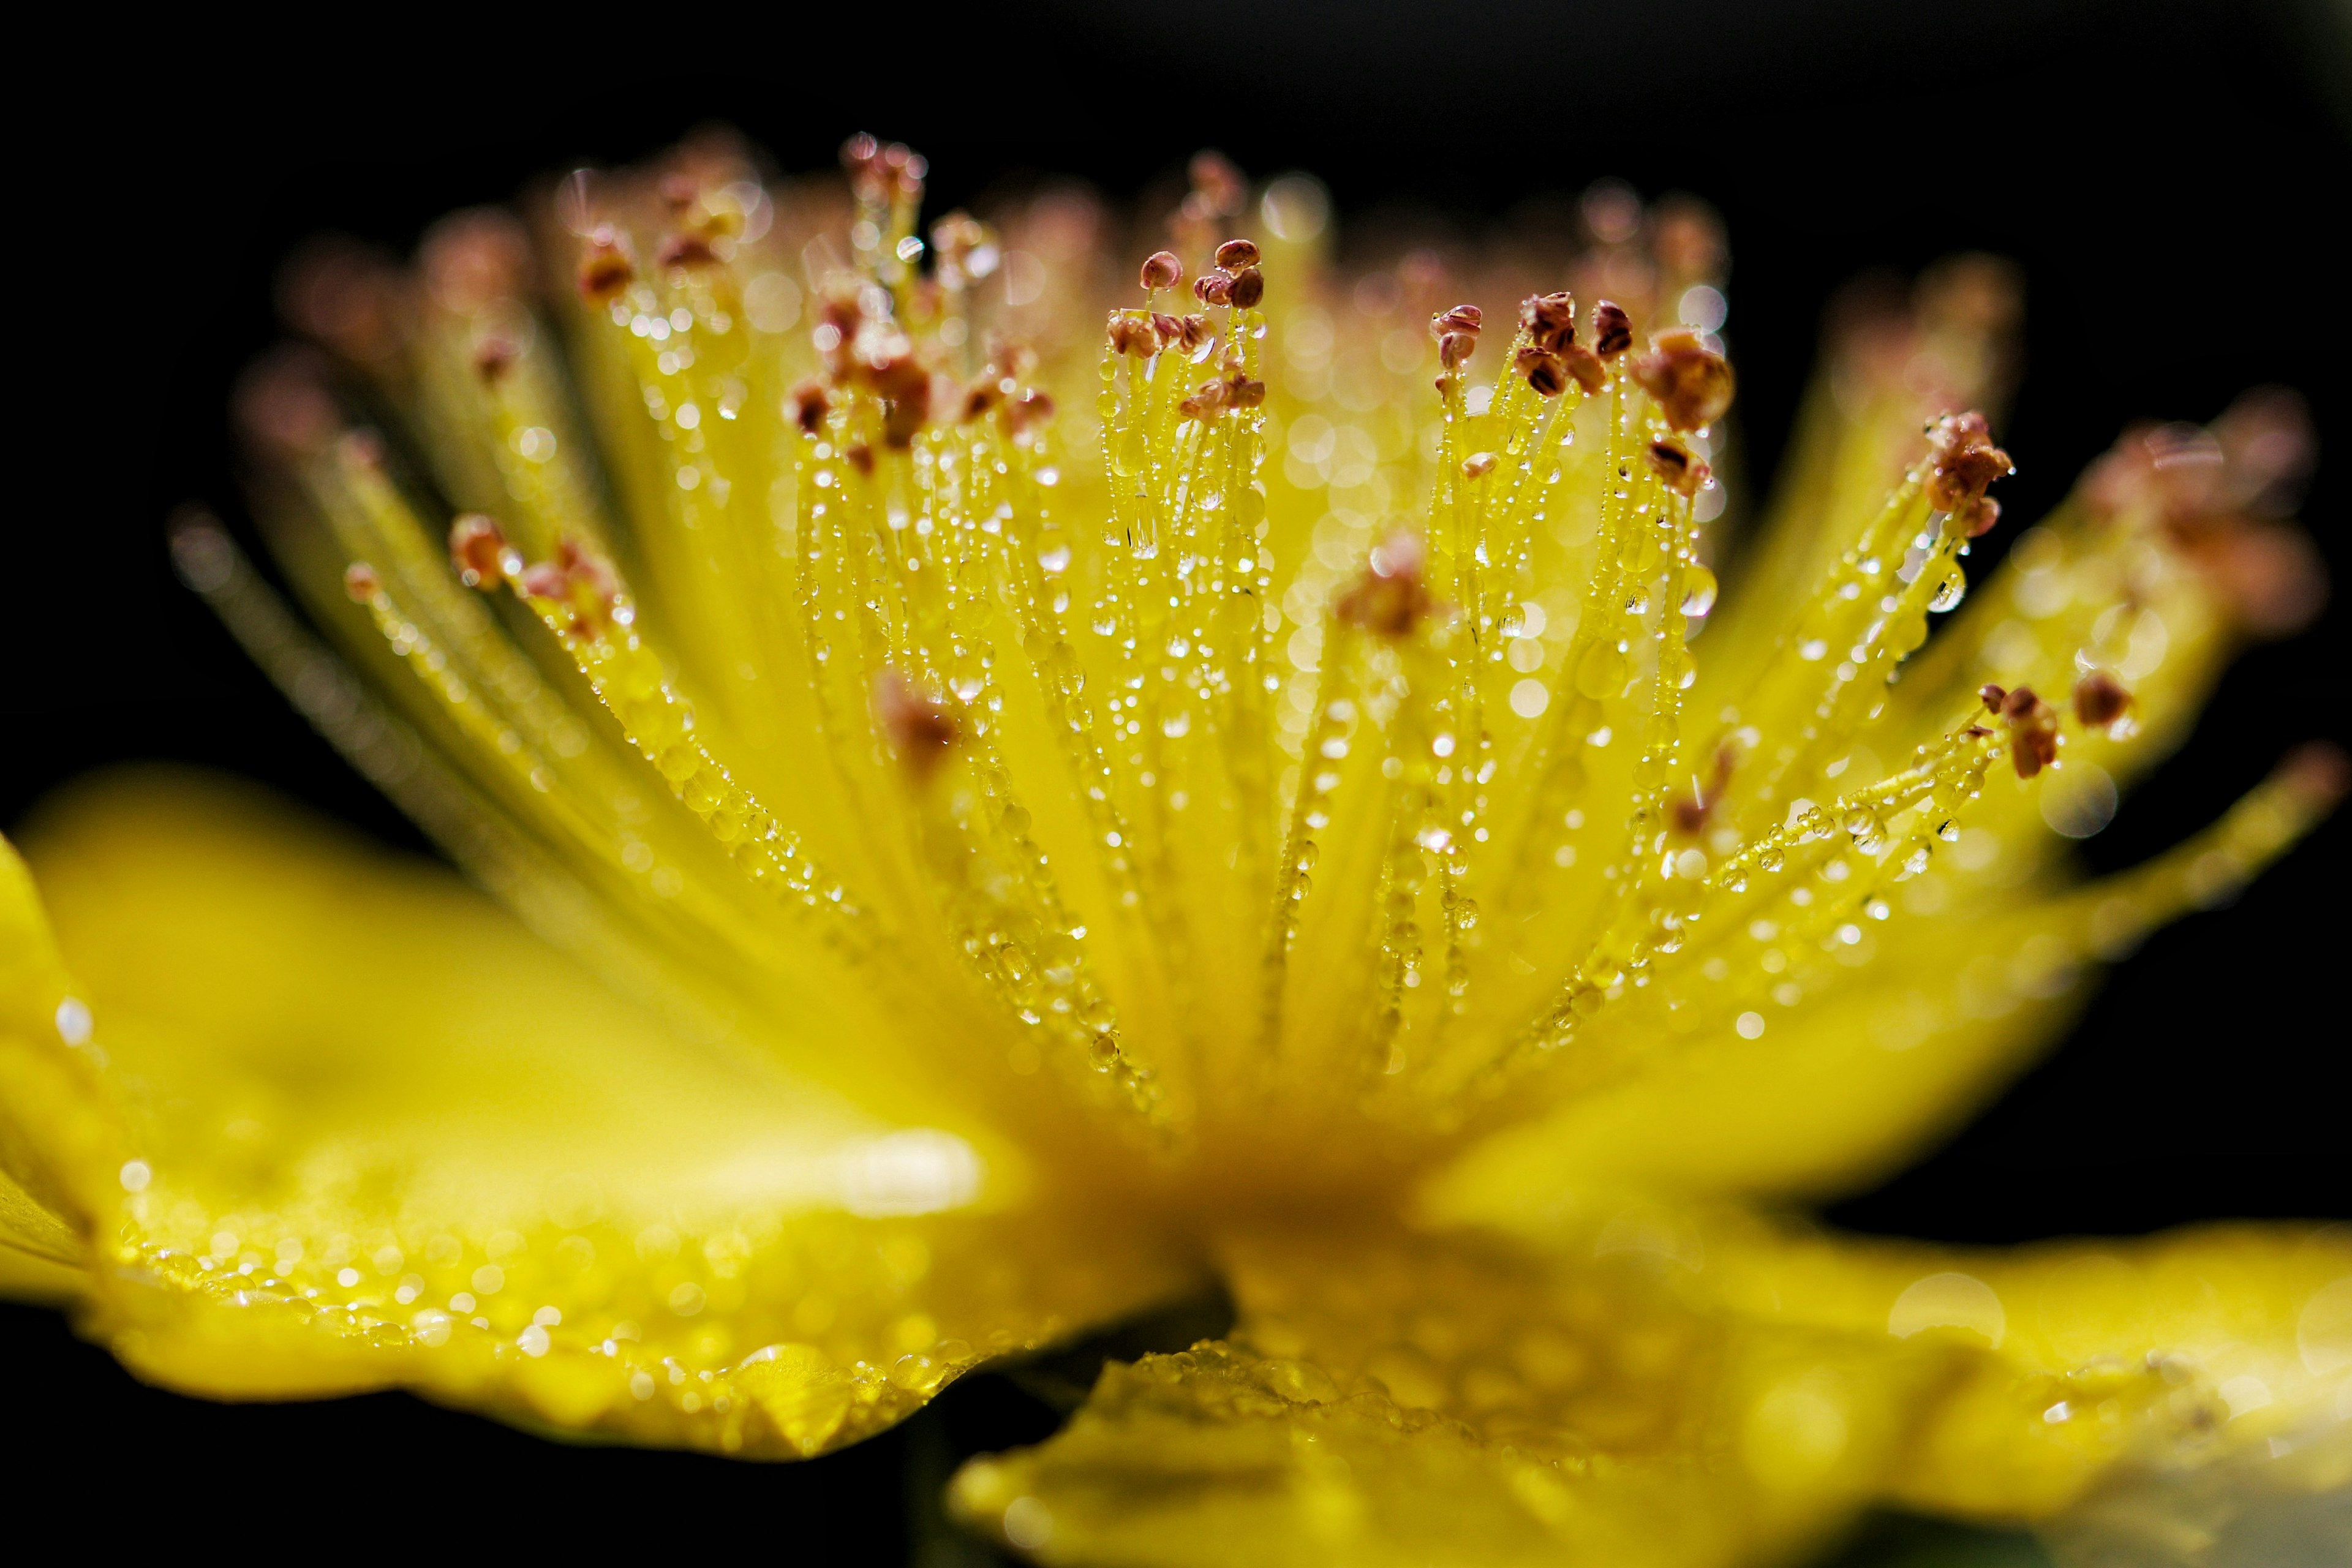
pixel 1205 403
pixel 2032 731
pixel 1161 270
pixel 1455 349
pixel 1218 186
pixel 478 551
pixel 2100 699
pixel 474 259
pixel 1550 319
pixel 495 355
pixel 1692 813
pixel 965 248
pixel 2318 773
pixel 685 252
pixel 1683 473
pixel 605 269
pixel 360 581
pixel 1214 288
pixel 361 450
pixel 545 579
pixel 1032 407
pixel 1460 318
pixel 807 404
pixel 284 403
pixel 877 173
pixel 1248 288
pixel 921 731
pixel 1389 600
pixel 1964 462
pixel 348 297
pixel 1547 377
pixel 1131 333
pixel 1992 696
pixel 1690 382
pixel 1236 254
pixel 1613 330
pixel 1585 367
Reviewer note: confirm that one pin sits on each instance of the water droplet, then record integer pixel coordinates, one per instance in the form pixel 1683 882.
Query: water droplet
pixel 1603 672
pixel 1699 591
pixel 1869 834
pixel 1069 676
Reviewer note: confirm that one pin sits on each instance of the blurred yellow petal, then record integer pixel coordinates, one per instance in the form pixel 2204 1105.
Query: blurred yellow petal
pixel 30 1229
pixel 2091 1362
pixel 1388 1399
pixel 51 1117
pixel 379 1135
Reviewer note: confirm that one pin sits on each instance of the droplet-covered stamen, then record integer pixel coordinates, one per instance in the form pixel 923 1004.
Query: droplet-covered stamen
pixel 1270 726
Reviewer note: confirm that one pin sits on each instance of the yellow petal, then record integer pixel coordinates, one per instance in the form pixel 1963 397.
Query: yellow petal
pixel 379 1135
pixel 1388 1399
pixel 2092 1363
pixel 50 1117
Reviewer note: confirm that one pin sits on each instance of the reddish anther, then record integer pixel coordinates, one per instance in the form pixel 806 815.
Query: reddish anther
pixel 1585 367
pixel 1161 270
pixel 1963 461
pixel 922 731
pixel 605 269
pixel 1547 377
pixel 1390 599
pixel 477 550
pixel 685 252
pixel 1613 330
pixel 2032 731
pixel 1690 382
pixel 1466 318
pixel 2100 699
pixel 1131 333
pixel 1549 321
pixel 495 355
pixel 807 404
pixel 1683 473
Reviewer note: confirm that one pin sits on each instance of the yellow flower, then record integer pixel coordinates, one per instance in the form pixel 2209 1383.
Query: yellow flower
pixel 981 849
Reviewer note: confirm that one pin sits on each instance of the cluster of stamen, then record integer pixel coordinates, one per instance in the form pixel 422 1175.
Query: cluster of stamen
pixel 1184 778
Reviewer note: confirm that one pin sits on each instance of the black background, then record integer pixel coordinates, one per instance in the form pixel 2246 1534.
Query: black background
pixel 2164 171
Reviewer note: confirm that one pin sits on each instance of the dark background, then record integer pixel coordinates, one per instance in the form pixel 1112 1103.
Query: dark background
pixel 2169 174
